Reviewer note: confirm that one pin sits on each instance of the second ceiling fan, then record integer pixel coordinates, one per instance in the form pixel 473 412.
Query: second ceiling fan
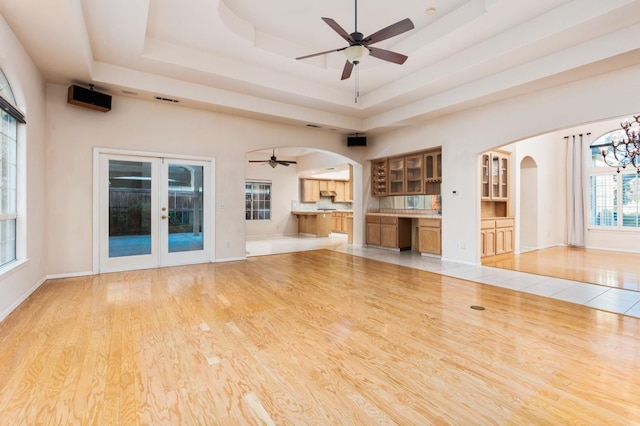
pixel 360 46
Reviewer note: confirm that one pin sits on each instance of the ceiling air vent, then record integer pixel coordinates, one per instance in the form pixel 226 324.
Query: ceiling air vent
pixel 160 98
pixel 315 126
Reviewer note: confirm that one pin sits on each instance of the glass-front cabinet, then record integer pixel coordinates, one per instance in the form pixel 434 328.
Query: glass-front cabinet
pixel 414 168
pixel 396 176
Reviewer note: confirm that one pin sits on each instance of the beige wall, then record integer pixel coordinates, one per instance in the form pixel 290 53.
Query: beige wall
pixel 140 125
pixel 28 86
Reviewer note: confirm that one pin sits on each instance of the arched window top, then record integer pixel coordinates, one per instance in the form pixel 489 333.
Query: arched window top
pixel 599 143
pixel 5 89
pixel 8 101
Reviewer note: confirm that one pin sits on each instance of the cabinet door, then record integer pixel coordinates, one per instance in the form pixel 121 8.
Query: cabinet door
pixel 433 166
pixel 396 176
pixel 323 185
pixel 389 235
pixel 373 234
pixel 348 197
pixel 414 172
pixel 310 192
pixel 485 177
pixel 339 188
pixel 504 240
pixel 430 241
pixel 489 242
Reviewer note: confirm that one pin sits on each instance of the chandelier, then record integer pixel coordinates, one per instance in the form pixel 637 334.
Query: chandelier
pixel 624 150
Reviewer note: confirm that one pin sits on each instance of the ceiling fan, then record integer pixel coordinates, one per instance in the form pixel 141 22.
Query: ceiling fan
pixel 359 46
pixel 273 161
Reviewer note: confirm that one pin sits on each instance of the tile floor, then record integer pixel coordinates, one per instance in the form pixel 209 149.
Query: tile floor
pixel 609 299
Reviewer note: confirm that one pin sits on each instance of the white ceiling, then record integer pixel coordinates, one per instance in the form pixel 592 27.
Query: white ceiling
pixel 238 56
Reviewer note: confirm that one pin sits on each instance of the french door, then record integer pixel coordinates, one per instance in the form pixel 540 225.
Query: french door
pixel 153 211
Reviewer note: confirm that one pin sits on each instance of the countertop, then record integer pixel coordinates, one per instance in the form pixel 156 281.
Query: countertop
pixel 408 215
pixel 314 212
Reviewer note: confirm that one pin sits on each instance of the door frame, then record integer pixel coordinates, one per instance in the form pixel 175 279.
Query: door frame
pixel 209 230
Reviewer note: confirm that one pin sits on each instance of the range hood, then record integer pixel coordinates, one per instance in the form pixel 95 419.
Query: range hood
pixel 328 193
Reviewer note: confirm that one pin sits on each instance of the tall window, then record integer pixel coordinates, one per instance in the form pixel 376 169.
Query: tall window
pixel 9 117
pixel 257 197
pixel 615 201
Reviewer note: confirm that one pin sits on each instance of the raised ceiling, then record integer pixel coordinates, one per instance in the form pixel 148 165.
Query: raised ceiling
pixel 238 56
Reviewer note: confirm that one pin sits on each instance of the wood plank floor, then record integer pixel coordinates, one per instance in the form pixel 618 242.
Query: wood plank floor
pixel 608 268
pixel 316 337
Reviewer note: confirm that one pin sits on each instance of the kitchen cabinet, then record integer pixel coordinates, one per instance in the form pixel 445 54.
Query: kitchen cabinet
pixel 343 191
pixel 430 235
pixel 373 230
pixel 496 236
pixel 414 174
pixel 327 185
pixel 388 231
pixel 494 177
pixel 314 223
pixel 379 172
pixel 433 166
pixel 396 176
pixel 309 190
pixel 339 222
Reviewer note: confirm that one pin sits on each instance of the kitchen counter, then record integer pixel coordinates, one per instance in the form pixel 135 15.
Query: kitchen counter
pixel 313 222
pixel 408 215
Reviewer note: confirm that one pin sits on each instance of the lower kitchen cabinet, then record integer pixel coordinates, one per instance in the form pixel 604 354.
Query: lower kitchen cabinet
pixel 496 236
pixel 389 231
pixel 430 236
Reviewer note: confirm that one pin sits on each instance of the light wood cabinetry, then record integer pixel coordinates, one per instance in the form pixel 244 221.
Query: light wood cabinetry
pixel 318 224
pixel 310 191
pixel 412 174
pixel 379 175
pixel 433 166
pixel 414 165
pixel 340 222
pixel 496 236
pixel 373 230
pixel 494 176
pixel 389 231
pixel 396 176
pixel 430 236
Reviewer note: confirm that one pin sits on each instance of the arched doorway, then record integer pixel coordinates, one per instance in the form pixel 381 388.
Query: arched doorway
pixel 528 204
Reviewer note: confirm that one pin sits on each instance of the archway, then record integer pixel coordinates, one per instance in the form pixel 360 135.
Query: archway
pixel 528 204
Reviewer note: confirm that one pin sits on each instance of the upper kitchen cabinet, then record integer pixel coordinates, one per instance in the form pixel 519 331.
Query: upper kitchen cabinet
pixel 379 175
pixel 494 177
pixel 414 165
pixel 309 190
pixel 433 166
pixel 397 176
pixel 412 174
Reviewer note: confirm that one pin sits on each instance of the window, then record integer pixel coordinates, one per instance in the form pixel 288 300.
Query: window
pixel 614 202
pixel 9 117
pixel 257 197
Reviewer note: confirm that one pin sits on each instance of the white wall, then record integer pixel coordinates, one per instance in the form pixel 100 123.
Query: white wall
pixel 28 87
pixel 141 125
pixel 464 135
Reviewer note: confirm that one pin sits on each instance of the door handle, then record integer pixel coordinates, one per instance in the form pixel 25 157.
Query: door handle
pixel 164 216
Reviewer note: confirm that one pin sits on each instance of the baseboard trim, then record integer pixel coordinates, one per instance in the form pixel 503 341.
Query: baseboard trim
pixel 71 275
pixel 24 297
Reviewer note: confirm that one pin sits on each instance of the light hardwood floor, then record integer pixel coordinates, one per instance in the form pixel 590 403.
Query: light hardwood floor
pixel 608 268
pixel 316 337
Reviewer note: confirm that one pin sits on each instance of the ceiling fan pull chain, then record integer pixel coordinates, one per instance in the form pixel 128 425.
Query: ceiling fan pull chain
pixel 357 81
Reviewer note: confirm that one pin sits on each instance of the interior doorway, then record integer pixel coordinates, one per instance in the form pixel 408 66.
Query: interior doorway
pixel 528 205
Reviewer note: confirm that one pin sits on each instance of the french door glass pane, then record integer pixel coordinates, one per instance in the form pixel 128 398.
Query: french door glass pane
pixel 129 208
pixel 185 219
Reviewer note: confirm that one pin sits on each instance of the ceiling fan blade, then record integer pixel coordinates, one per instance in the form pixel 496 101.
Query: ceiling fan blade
pixel 286 162
pixel 387 55
pixel 390 31
pixel 322 53
pixel 346 72
pixel 337 28
pixel 258 161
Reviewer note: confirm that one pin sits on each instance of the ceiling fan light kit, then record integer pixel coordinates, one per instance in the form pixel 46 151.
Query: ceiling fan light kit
pixel 359 46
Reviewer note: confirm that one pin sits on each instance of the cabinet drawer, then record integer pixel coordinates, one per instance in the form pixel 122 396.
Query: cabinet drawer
pixel 487 224
pixel 504 223
pixel 430 223
pixel 388 220
pixel 373 219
